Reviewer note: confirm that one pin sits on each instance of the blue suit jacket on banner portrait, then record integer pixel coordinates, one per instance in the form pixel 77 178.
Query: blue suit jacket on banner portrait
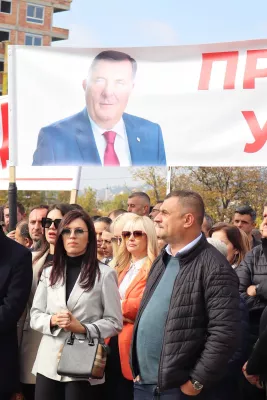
pixel 71 142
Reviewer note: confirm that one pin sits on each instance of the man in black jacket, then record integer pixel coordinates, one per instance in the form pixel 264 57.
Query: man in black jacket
pixel 188 325
pixel 252 273
pixel 15 286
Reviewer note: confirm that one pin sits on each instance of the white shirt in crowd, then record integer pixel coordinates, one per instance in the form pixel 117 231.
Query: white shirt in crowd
pixel 184 249
pixel 130 275
pixel 121 144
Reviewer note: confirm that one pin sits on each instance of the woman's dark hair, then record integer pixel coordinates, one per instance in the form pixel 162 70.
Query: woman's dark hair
pixel 90 268
pixel 234 236
pixel 64 208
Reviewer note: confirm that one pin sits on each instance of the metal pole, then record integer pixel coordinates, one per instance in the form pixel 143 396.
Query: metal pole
pixel 12 199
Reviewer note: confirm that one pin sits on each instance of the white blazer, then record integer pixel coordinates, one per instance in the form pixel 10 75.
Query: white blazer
pixel 101 306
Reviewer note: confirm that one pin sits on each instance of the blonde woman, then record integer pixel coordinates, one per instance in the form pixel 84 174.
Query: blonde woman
pixel 136 253
pixel 116 229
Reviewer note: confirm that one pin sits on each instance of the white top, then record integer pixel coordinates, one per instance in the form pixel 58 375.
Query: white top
pixel 121 144
pixel 130 275
pixel 186 248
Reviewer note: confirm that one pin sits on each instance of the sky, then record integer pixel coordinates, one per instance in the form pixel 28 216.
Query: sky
pixel 120 23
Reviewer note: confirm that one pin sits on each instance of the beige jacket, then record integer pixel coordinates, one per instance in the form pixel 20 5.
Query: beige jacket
pixel 101 306
pixel 29 339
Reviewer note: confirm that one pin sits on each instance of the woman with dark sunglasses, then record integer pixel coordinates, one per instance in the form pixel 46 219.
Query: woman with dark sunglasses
pixel 136 254
pixel 116 229
pixel 30 339
pixel 74 293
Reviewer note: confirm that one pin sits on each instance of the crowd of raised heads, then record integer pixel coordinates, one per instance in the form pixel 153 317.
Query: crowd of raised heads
pixel 178 299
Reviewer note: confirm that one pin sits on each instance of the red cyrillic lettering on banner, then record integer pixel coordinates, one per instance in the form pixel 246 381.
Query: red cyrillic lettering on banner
pixel 4 153
pixel 251 71
pixel 260 135
pixel 208 59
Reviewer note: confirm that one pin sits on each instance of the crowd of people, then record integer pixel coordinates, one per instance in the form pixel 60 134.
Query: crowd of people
pixel 177 299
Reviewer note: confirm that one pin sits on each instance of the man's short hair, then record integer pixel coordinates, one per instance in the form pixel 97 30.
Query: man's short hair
pixel 246 210
pixel 106 220
pixel 24 229
pixel 117 212
pixel 40 207
pixel 113 55
pixel 190 200
pixel 140 194
pixel 209 221
pixel 95 217
pixel 20 207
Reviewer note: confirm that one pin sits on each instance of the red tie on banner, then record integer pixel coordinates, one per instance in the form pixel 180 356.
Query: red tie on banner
pixel 110 156
pixel 4 153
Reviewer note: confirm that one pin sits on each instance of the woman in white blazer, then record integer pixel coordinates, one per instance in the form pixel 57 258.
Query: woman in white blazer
pixel 77 290
pixel 30 339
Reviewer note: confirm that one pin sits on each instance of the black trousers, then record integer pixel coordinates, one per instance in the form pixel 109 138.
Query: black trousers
pixel 28 391
pixel 48 389
pixel 116 386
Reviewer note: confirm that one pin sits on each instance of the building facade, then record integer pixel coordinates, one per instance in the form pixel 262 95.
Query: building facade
pixel 29 22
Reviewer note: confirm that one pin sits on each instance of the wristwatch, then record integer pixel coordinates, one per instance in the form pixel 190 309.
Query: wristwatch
pixel 196 385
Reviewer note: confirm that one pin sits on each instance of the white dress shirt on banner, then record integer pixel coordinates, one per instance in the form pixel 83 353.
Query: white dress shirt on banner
pixel 121 144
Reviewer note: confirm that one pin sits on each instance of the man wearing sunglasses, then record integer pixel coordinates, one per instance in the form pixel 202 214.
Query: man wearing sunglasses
pixel 188 324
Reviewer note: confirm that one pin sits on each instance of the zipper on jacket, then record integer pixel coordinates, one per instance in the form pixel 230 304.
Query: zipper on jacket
pixel 156 394
pixel 152 290
pixel 163 341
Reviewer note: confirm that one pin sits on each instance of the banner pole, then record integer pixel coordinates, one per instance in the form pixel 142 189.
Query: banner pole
pixel 12 199
pixel 12 187
pixel 76 184
pixel 169 177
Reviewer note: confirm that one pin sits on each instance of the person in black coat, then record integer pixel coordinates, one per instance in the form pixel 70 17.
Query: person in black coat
pixel 15 286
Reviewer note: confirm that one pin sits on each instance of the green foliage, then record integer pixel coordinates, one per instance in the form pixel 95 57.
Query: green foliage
pixel 88 200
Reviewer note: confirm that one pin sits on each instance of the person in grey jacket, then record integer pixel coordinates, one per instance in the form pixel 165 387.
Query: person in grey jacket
pixel 75 292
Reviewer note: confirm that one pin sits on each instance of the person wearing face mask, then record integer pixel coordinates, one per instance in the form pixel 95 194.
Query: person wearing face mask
pixel 136 254
pixel 30 339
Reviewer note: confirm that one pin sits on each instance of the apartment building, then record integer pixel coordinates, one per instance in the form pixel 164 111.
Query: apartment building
pixel 30 23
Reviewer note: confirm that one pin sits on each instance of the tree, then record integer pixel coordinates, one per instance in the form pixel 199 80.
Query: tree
pixel 155 178
pixel 88 200
pixel 224 188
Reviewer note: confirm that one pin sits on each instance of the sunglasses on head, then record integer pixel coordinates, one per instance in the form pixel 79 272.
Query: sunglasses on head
pixel 136 234
pixel 47 222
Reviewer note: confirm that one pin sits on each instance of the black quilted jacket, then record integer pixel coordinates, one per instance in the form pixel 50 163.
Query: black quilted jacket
pixel 253 271
pixel 203 325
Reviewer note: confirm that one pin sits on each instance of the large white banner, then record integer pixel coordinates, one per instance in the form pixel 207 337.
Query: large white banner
pixel 199 105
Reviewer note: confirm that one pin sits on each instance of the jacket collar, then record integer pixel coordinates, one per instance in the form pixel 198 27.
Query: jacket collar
pixel 191 254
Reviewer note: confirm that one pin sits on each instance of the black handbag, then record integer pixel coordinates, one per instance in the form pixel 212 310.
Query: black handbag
pixel 83 358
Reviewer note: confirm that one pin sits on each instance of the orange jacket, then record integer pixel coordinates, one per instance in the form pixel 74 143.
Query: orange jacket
pixel 130 306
